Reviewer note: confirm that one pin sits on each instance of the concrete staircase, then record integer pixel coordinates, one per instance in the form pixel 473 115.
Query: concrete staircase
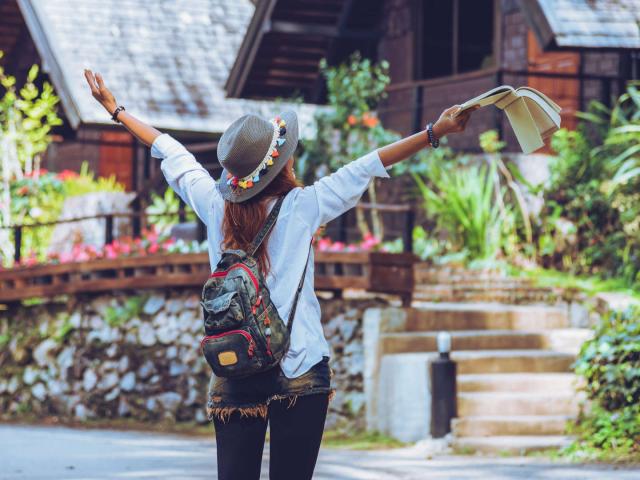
pixel 516 391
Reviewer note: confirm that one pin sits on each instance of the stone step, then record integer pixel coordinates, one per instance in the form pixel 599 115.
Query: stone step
pixel 519 382
pixel 509 361
pixel 491 425
pixel 509 403
pixel 510 444
pixel 566 340
pixel 427 316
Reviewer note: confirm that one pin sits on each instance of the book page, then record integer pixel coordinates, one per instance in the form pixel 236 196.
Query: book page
pixel 487 98
pixel 524 126
pixel 548 106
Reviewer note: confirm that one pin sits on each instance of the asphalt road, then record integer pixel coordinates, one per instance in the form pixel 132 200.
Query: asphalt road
pixel 57 453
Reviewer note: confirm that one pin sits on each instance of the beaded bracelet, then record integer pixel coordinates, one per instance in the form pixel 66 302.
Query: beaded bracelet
pixel 433 140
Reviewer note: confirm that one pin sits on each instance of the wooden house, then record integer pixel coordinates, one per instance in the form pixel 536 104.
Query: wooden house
pixel 166 62
pixel 443 52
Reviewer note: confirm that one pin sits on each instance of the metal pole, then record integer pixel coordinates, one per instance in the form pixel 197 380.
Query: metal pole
pixel 108 229
pixel 443 389
pixel 407 235
pixel 202 231
pixel 17 243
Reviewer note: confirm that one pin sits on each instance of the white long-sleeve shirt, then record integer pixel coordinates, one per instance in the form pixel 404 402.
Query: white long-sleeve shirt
pixel 302 212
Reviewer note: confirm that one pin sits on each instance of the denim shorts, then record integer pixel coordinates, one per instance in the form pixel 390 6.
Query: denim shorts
pixel 251 395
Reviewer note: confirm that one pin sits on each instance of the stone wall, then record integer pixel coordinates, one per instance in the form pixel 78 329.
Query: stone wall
pixel 137 355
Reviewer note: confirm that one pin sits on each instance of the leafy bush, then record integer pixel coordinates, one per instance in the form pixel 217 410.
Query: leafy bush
pixel 39 197
pixel 163 211
pixel 350 128
pixel 610 365
pixel 591 220
pixel 463 204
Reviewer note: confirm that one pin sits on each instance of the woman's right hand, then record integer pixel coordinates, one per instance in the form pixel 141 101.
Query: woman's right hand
pixel 100 92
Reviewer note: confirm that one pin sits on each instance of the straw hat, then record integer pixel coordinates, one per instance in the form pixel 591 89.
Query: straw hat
pixel 252 152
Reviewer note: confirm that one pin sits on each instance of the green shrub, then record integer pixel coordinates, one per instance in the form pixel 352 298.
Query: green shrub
pixel 462 201
pixel 610 365
pixel 594 189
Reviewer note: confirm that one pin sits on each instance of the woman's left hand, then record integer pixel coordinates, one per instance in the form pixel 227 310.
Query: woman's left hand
pixel 452 122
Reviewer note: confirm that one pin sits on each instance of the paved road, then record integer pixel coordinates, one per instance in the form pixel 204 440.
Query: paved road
pixel 56 453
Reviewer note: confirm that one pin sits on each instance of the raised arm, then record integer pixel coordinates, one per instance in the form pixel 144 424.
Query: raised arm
pixel 183 173
pixel 143 132
pixel 334 194
pixel 406 147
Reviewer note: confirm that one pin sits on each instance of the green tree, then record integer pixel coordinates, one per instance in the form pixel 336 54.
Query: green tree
pixel 27 115
pixel 350 127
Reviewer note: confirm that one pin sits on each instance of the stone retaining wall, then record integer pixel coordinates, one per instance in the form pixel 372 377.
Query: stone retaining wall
pixel 137 355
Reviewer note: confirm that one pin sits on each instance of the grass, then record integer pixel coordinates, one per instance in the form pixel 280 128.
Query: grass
pixel 331 439
pixel 590 285
pixel 359 440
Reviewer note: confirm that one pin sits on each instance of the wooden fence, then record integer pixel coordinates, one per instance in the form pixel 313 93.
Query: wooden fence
pixel 335 271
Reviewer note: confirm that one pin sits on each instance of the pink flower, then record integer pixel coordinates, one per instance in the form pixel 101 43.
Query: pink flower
pixel 337 247
pixel 154 248
pixel 66 257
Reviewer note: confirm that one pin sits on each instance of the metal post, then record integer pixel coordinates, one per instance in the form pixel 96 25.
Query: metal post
pixel 136 219
pixel 17 243
pixel 108 229
pixel 182 214
pixel 202 231
pixel 443 389
pixel 407 234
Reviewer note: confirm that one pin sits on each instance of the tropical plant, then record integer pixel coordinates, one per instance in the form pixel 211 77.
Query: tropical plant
pixel 591 220
pixel 462 201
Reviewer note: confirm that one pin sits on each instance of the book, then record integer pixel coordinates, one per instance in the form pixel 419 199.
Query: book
pixel 532 115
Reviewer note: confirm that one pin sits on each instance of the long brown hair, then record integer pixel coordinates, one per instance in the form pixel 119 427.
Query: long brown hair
pixel 242 221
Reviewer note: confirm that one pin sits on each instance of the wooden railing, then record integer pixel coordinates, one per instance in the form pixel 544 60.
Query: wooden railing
pixel 143 220
pixel 335 271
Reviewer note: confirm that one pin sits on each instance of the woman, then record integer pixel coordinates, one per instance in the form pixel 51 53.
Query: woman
pixel 258 168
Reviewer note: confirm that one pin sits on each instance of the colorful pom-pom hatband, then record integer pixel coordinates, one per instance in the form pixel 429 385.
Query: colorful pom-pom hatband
pixel 248 181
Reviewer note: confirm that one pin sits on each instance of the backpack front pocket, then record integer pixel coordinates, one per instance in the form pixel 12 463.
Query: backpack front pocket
pixel 231 354
pixel 222 313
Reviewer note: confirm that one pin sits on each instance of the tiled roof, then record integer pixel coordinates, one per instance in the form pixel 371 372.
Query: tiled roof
pixel 592 23
pixel 165 60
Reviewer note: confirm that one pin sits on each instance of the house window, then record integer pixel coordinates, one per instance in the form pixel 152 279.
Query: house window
pixel 455 36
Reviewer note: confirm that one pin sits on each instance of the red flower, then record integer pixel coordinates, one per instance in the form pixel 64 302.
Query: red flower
pixel 368 120
pixel 67 175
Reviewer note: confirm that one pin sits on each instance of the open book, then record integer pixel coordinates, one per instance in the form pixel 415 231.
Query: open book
pixel 533 115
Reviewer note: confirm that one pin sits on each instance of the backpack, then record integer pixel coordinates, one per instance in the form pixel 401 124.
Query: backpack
pixel 244 333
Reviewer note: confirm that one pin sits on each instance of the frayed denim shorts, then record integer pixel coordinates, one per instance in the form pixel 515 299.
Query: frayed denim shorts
pixel 251 395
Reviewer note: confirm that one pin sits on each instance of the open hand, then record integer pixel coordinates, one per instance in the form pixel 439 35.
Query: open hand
pixel 451 122
pixel 100 92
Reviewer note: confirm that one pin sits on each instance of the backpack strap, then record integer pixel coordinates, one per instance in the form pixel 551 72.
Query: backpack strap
pixel 266 228
pixel 292 313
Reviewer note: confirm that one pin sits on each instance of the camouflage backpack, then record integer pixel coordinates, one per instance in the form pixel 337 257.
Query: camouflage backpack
pixel 244 333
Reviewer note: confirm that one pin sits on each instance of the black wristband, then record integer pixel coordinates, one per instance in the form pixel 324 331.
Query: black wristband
pixel 116 112
pixel 433 140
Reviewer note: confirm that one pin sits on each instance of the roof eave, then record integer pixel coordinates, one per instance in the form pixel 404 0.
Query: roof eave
pixel 50 65
pixel 248 49
pixel 538 22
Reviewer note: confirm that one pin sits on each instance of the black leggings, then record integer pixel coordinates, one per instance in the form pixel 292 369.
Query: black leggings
pixel 295 433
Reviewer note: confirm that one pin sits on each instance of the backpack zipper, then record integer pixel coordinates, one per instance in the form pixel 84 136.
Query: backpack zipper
pixel 246 335
pixel 254 280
